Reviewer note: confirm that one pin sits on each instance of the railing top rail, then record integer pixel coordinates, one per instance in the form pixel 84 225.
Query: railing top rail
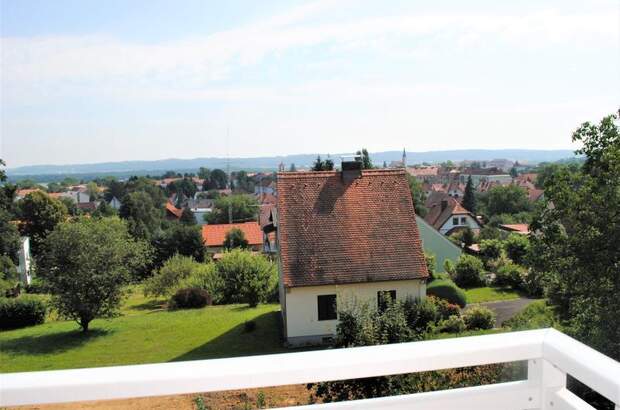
pixel 267 370
pixel 582 362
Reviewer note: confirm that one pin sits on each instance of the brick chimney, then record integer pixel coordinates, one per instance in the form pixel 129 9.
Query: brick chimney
pixel 351 167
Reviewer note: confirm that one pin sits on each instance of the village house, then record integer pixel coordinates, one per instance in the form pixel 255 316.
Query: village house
pixel 343 237
pixel 214 236
pixel 425 174
pixel 447 215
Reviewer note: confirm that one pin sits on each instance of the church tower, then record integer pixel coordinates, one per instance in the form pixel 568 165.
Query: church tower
pixel 404 158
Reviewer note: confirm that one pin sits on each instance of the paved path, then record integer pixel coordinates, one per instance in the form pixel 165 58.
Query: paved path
pixel 506 309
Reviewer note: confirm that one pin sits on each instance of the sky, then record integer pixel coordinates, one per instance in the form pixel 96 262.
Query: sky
pixel 91 81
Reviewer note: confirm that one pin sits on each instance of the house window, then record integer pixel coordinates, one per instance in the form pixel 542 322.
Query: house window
pixel 383 296
pixel 455 221
pixel 463 220
pixel 327 307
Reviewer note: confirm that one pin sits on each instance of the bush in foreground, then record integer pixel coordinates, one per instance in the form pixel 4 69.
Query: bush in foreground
pixel 510 275
pixel 447 290
pixel 479 317
pixel 190 298
pixel 21 312
pixel 469 271
pixel 453 324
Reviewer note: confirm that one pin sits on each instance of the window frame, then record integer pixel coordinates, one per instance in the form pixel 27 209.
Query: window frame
pixel 455 220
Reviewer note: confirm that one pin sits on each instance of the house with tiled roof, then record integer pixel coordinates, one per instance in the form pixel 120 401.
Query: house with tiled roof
pixel 172 212
pixel 214 235
pixel 425 174
pixel 447 215
pixel 342 236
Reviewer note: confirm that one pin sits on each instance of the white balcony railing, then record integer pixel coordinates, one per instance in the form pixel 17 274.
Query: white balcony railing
pixel 551 355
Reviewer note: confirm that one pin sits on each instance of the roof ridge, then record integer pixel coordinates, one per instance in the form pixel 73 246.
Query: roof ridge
pixel 316 174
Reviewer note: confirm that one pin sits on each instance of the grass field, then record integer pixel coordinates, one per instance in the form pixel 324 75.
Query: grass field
pixel 145 333
pixel 489 294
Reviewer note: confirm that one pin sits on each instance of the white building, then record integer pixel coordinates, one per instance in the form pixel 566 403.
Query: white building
pixel 25 261
pixel 344 236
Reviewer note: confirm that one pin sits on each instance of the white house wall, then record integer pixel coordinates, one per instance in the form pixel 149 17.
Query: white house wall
pixel 469 222
pixel 301 309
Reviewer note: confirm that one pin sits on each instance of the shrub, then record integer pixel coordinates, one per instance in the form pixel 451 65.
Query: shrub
pixel 37 286
pixel 430 260
pixel 537 315
pixel 249 326
pixel 479 317
pixel 190 298
pixel 490 248
pixel 449 267
pixel 533 283
pixel 248 278
pixel 167 278
pixel 453 324
pixel 469 271
pixel 420 314
pixel 510 275
pixel 446 289
pixel 517 247
pixel 21 312
pixel 205 276
pixel 445 308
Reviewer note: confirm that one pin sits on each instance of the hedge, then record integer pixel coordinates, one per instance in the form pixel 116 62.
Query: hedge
pixel 21 312
pixel 446 289
pixel 190 298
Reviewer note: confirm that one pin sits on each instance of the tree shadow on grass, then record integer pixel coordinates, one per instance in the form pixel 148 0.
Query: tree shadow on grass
pixel 154 305
pixel 51 343
pixel 266 338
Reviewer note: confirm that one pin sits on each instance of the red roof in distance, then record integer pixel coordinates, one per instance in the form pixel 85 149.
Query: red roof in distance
pixel 215 235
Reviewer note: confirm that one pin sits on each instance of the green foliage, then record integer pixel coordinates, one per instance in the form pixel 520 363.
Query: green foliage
pixel 447 290
pixel 452 324
pixel 489 232
pixel 244 209
pixel 187 217
pixel 468 237
pixel 418 196
pixel 248 278
pixel 431 264
pixel 205 276
pixel 510 275
pixel 421 315
pixel 536 315
pixel 217 180
pixel 71 206
pixel 469 271
pixel 104 210
pixel 469 197
pixel 320 165
pixel 167 278
pixel 40 215
pixel 449 267
pixel 86 265
pixel 517 247
pixel 9 277
pixel 479 317
pixel 185 186
pixel 143 217
pixel 577 239
pixel 509 199
pixel 445 309
pixel 9 237
pixel 2 171
pixel 235 238
pixel 491 248
pixel 178 239
pixel 22 311
pixel 366 161
pixel 190 298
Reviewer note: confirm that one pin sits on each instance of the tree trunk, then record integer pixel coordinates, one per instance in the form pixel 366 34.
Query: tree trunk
pixel 84 324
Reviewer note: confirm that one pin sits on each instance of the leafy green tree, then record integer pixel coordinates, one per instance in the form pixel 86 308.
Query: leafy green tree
pixel 235 238
pixel 2 171
pixel 328 164
pixel 93 191
pixel 318 165
pixel 184 186
pixel 142 216
pixel 248 278
pixel 7 198
pixel 185 240
pixel 366 161
pixel 27 184
pixel 40 214
pixel 577 239
pixel 491 248
pixel 513 172
pixel 86 266
pixel 115 189
pixel 9 236
pixel 517 247
pixel 71 206
pixel 292 168
pixel 143 184
pixel 218 179
pixel 204 173
pixel 468 237
pixel 187 217
pixel 469 271
pixel 418 195
pixel 469 197
pixel 244 209
pixel 509 199
pixel 104 210
pixel 9 277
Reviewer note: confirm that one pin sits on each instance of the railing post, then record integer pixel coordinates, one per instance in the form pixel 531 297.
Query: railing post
pixel 548 378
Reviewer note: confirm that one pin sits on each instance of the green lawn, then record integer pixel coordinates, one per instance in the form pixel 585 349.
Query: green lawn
pixel 146 333
pixel 490 294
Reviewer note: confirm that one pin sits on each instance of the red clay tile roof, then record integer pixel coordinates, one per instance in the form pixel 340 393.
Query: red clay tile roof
pixel 535 194
pixel 331 232
pixel 438 217
pixel 422 172
pixel 518 228
pixel 173 210
pixel 214 235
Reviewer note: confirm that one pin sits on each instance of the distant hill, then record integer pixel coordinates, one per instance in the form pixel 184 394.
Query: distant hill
pixel 271 163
